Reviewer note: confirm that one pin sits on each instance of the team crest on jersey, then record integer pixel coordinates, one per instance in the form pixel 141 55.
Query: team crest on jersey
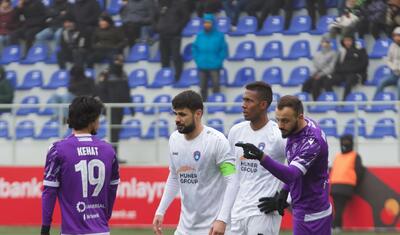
pixel 261 146
pixel 196 155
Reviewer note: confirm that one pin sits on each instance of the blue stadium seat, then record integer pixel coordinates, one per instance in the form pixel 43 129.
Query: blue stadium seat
pixel 160 99
pixel 245 50
pixel 331 3
pixel 90 73
pixel 156 58
pixel 51 129
pixel 216 98
pixel 354 96
pixel 52 58
pixel 136 99
pixel 303 96
pixel 162 128
pixel 33 78
pixel 322 25
pixel 299 24
pixel 275 99
pixel 101 4
pixel 322 108
pixel 37 53
pixel 47 111
pixel 243 76
pixel 11 75
pixel 299 49
pixel 360 43
pixel 246 25
pixel 114 7
pixel 194 26
pixel 223 77
pixel 350 127
pixel 140 51
pixel 382 96
pixel 188 78
pixel 59 78
pixel 4 133
pixel 217 124
pixel 187 53
pixel 32 99
pixel 25 129
pixel 380 48
pixel 131 129
pixel 298 76
pixel 102 131
pixel 380 73
pixel 329 126
pixel 11 54
pixel 299 4
pixel 273 49
pixel 137 77
pixel 235 109
pixel 382 128
pixel 223 24
pixel 273 24
pixel 164 77
pixel 47 3
pixel 273 75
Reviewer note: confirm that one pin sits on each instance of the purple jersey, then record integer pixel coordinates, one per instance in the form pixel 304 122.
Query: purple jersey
pixel 308 151
pixel 82 171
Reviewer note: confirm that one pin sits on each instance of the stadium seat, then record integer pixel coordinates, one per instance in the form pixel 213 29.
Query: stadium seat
pixel 273 75
pixel 303 96
pixel 4 133
pixel 360 43
pixel 380 48
pixel 331 3
pixel 272 50
pixel 350 127
pixel 25 129
pixel 187 53
pixel 380 73
pixel 299 49
pixel 90 73
pixel 235 109
pixel 101 4
pixel 322 25
pixel 51 129
pixel 357 96
pixel 160 126
pixel 245 50
pixel 382 128
pixel 33 78
pixel 164 77
pixel 275 99
pixel 47 3
pixel 140 51
pixel 47 111
pixel 160 99
pixel 334 45
pixel 223 24
pixel 136 99
pixel 11 75
pixel 329 126
pixel 243 76
pixel 217 124
pixel 378 108
pixel 194 26
pixel 216 98
pixel 11 54
pixel 52 58
pixel 322 108
pixel 37 53
pixel 223 77
pixel 102 131
pixel 299 24
pixel 298 76
pixel 131 129
pixel 299 4
pixel 246 25
pixel 114 7
pixel 273 24
pixel 32 99
pixel 137 77
pixel 188 78
pixel 156 58
pixel 59 78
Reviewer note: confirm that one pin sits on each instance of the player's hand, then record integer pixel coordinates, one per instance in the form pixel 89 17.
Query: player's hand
pixel 218 228
pixel 157 221
pixel 276 203
pixel 250 151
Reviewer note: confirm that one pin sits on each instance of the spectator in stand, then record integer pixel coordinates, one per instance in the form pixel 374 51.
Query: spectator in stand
pixel 347 22
pixel 374 18
pixel 312 6
pixel 8 22
pixel 172 16
pixel 209 52
pixel 393 15
pixel 137 15
pixel 393 62
pixel 324 63
pixel 86 13
pixel 56 14
pixel 107 41
pixel 6 91
pixel 73 45
pixel 34 14
pixel 351 66
pixel 208 6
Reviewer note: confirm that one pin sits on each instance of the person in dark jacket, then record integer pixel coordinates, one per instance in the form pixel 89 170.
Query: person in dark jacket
pixel 346 173
pixel 8 22
pixel 6 91
pixel 86 13
pixel 351 66
pixel 171 18
pixel 113 87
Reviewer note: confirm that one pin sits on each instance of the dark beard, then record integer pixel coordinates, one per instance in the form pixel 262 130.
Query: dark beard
pixel 290 132
pixel 93 132
pixel 187 129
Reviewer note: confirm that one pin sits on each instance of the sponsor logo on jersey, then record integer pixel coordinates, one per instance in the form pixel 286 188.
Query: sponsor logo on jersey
pixel 196 155
pixel 187 175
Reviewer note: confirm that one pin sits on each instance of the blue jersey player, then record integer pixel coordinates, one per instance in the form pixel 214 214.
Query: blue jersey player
pixel 82 172
pixel 306 176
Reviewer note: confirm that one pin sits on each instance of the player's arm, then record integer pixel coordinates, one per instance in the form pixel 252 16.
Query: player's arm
pixel 112 190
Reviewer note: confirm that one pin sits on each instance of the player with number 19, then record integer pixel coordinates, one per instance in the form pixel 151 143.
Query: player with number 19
pixel 82 172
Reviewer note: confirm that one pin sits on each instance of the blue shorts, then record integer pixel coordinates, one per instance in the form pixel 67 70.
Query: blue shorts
pixel 320 226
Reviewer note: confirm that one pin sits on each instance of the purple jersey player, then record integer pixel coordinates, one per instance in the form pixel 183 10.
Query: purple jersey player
pixel 82 171
pixel 306 177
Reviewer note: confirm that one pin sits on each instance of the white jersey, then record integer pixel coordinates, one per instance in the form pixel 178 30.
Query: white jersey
pixel 255 180
pixel 195 164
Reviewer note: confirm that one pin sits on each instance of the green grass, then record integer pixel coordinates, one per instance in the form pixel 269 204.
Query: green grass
pixel 131 231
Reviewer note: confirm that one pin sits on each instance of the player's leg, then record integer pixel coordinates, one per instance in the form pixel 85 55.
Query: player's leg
pixel 264 224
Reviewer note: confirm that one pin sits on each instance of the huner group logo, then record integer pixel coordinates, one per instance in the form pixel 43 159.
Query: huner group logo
pixel 196 155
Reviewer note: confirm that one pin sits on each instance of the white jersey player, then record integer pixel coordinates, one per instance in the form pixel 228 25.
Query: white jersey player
pixel 202 168
pixel 255 181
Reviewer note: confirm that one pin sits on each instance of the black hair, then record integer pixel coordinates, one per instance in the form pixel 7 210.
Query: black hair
pixel 291 102
pixel 84 110
pixel 263 89
pixel 188 99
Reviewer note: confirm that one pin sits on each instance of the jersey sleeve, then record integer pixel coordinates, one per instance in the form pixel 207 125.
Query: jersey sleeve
pixel 52 170
pixel 224 153
pixel 115 172
pixel 308 152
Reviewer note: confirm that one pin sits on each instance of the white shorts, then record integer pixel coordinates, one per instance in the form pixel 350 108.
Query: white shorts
pixel 256 225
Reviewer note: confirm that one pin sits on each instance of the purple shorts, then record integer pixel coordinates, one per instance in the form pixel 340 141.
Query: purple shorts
pixel 315 227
